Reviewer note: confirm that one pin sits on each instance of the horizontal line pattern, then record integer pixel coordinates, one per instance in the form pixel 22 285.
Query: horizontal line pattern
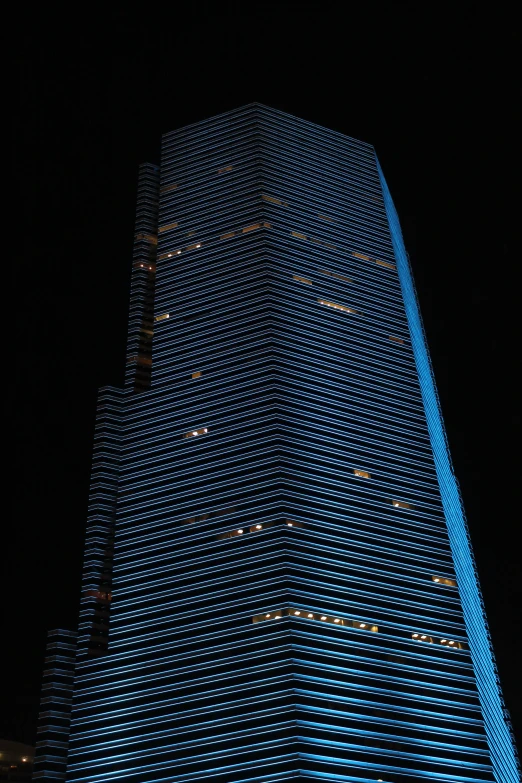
pixel 287 399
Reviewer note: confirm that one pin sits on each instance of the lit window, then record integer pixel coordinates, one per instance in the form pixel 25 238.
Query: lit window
pixel 334 274
pixel 443 581
pixel 324 217
pixel 162 317
pixel 266 225
pixel 227 236
pixel 195 375
pixel 196 433
pixel 422 637
pixel 225 168
pixel 140 360
pixel 292 523
pixel 167 227
pixel 360 255
pixel 274 200
pixel 252 529
pixel 386 264
pixel 148 238
pixel 337 306
pixel 251 228
pixel 451 643
pixel 311 616
pixel 168 188
pixel 362 473
pixel 199 518
pixel 302 280
pixel 396 339
pixel 193 247
pixel 298 235
pixel 400 504
pixel 231 534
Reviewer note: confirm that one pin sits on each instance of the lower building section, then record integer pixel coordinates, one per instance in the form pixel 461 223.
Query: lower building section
pixel 50 761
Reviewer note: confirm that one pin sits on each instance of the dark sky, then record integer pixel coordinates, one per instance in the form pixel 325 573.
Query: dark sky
pixel 434 91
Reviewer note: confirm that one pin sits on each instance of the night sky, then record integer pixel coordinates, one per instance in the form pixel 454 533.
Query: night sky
pixel 434 92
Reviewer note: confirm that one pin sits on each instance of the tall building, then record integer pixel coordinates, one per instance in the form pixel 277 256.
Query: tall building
pixel 279 583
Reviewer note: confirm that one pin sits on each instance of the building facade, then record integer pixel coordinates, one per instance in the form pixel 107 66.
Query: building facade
pixel 50 756
pixel 278 582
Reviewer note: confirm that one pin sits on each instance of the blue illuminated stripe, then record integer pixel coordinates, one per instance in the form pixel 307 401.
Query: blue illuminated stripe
pixel 501 742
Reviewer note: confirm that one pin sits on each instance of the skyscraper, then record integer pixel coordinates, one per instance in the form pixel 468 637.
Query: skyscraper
pixel 278 581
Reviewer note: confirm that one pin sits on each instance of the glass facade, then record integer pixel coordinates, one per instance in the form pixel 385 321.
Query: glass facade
pixel 275 531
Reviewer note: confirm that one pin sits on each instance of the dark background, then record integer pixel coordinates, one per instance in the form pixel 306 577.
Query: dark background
pixel 434 91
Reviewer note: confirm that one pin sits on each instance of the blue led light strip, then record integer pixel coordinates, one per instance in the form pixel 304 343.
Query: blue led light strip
pixel 496 717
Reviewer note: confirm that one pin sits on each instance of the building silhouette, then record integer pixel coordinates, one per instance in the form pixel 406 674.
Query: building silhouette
pixel 278 583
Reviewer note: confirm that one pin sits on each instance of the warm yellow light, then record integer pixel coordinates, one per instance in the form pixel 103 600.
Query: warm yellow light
pixel 311 615
pixel 323 617
pixel 337 620
pixel 267 616
pixel 259 527
pixel 415 635
pixel 240 531
pixel 297 612
pixel 362 625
